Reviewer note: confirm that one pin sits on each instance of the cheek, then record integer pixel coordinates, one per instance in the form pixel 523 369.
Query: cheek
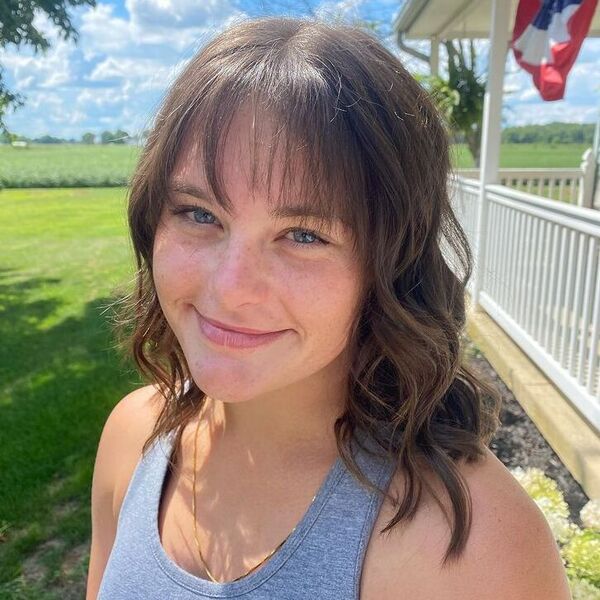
pixel 325 298
pixel 175 266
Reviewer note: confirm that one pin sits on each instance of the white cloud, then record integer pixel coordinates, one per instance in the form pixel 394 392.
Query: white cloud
pixel 528 94
pixel 48 70
pixel 101 32
pixel 106 97
pixel 111 68
pixel 135 76
pixel 344 9
pixel 167 25
pixel 178 14
pixel 25 82
pixel 78 116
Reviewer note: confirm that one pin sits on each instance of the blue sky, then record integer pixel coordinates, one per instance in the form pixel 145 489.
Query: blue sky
pixel 129 51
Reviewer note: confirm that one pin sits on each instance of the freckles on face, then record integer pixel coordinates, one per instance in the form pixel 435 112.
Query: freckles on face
pixel 325 296
pixel 173 261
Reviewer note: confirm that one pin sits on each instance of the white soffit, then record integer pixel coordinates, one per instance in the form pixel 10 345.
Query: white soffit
pixel 451 19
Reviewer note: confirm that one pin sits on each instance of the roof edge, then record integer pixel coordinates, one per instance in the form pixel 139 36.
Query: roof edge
pixel 408 15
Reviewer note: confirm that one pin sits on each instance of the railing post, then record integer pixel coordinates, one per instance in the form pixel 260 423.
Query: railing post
pixel 490 136
pixel 596 147
pixel 588 172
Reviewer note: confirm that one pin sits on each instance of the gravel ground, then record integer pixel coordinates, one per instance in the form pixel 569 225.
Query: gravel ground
pixel 518 443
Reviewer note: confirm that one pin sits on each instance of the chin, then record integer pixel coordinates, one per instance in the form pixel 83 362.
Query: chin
pixel 222 388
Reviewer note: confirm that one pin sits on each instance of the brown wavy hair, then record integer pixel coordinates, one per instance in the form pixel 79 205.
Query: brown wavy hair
pixel 366 142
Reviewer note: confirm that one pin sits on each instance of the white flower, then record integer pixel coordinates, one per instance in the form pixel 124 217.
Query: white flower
pixel 562 529
pixel 583 590
pixel 590 514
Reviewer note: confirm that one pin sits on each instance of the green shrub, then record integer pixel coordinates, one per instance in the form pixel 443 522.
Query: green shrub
pixel 579 547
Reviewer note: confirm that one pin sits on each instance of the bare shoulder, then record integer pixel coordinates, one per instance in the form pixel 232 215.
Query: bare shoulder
pixel 127 427
pixel 510 552
pixel 123 435
pixel 139 408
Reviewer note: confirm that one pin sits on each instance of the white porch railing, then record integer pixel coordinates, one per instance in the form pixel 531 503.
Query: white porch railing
pixel 541 282
pixel 573 186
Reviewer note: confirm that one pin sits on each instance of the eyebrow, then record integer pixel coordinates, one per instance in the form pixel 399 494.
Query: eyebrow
pixel 277 211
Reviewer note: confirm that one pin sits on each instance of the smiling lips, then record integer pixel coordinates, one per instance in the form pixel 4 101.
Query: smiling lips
pixel 235 338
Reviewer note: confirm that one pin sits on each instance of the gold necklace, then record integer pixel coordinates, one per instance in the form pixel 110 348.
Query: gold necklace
pixel 195 527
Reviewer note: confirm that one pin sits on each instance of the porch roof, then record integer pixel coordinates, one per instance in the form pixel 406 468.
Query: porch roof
pixel 452 19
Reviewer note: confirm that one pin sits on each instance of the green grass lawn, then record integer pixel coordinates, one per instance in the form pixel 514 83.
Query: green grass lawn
pixel 77 165
pixel 64 252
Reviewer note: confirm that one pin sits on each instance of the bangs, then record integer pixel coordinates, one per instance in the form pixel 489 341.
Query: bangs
pixel 296 127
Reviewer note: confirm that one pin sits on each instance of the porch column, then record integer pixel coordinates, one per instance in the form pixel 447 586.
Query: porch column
pixel 434 56
pixel 491 130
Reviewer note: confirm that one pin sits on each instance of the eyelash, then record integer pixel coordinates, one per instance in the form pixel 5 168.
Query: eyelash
pixel 183 211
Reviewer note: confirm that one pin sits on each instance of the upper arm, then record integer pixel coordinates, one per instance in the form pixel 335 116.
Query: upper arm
pixel 512 552
pixel 515 554
pixel 117 454
pixel 534 569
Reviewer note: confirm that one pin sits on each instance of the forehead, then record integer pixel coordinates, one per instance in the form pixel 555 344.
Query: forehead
pixel 244 160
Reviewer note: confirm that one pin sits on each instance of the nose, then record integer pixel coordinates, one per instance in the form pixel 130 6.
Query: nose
pixel 238 276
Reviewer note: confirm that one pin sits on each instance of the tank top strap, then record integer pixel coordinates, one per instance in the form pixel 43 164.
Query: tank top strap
pixel 333 553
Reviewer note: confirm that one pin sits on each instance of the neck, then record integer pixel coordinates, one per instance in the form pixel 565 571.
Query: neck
pixel 296 421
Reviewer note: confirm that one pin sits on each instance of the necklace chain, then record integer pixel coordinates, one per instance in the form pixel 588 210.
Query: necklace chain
pixel 195 525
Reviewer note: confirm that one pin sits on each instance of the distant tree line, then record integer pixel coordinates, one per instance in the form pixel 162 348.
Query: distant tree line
pixel 552 133
pixel 106 137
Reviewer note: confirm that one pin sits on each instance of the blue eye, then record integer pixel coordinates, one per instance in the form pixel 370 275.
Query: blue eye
pixel 198 212
pixel 195 214
pixel 305 233
pixel 304 237
pixel 309 238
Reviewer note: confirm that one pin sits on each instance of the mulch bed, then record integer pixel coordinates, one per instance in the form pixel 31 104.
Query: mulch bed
pixel 518 443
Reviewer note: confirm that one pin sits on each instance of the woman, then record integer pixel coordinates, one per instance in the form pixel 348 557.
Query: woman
pixel 310 430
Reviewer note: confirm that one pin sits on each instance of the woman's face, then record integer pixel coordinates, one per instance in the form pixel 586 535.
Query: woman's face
pixel 251 270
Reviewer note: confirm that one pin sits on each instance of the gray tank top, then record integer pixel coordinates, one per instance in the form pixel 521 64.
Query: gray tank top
pixel 321 559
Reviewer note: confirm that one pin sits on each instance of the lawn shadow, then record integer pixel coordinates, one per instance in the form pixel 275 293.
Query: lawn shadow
pixel 57 386
pixel 20 320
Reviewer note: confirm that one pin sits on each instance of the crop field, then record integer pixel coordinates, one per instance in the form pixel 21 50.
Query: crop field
pixel 66 165
pixel 78 165
pixel 532 156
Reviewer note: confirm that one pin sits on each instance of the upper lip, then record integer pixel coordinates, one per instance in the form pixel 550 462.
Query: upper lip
pixel 235 327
